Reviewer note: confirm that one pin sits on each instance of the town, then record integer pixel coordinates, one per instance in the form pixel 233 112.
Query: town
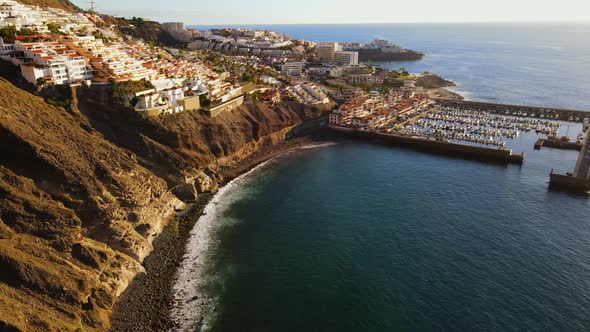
pixel 216 71
pixel 210 71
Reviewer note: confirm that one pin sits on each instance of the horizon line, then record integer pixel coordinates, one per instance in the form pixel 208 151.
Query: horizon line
pixel 408 22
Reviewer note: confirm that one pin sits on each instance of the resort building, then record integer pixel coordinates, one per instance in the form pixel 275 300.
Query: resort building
pixel 36 18
pixel 5 48
pixel 307 93
pixel 293 68
pixel 112 60
pixel 51 61
pixel 269 80
pixel 327 51
pixel 333 53
pixel 346 58
pixel 178 31
pixel 334 119
pixel 152 102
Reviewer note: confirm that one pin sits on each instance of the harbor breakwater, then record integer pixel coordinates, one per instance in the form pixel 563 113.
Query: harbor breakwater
pixel 568 183
pixel 501 155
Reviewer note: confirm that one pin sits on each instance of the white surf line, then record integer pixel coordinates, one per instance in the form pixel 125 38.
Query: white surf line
pixel 189 303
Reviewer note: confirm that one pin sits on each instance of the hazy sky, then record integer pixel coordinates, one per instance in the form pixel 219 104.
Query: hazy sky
pixel 203 12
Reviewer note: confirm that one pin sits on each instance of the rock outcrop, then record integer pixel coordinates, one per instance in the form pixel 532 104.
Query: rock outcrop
pixel 432 81
pixel 380 56
pixel 85 191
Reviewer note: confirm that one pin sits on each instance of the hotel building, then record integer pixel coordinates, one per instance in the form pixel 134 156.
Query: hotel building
pixel 333 53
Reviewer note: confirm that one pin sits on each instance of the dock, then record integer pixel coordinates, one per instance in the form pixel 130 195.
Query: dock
pixel 569 183
pixel 472 152
pixel 579 180
pixel 557 144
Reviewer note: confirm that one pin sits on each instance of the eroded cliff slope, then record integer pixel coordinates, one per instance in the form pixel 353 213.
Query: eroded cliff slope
pixel 85 191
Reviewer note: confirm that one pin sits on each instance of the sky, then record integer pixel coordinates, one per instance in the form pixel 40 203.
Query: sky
pixel 219 12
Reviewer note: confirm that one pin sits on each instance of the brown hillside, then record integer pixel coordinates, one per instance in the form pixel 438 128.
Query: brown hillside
pixel 60 4
pixel 72 207
pixel 84 192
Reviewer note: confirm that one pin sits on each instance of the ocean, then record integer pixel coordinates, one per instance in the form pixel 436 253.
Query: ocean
pixel 518 63
pixel 363 237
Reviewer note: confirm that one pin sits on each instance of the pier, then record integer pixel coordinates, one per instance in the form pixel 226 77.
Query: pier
pixel 579 181
pixel 480 153
pixel 557 144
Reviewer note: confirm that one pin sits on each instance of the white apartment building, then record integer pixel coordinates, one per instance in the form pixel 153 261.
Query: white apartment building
pixel 346 58
pixel 308 94
pixel 52 61
pixel 5 48
pixel 174 95
pixel 152 103
pixel 112 60
pixel 293 68
pixel 334 119
pixel 36 18
pixel 333 53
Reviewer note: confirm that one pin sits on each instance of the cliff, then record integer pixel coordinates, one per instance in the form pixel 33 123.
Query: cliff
pixel 85 191
pixel 139 28
pixel 380 56
pixel 432 81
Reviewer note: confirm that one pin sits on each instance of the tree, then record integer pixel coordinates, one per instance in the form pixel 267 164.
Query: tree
pixel 8 32
pixel 256 95
pixel 26 32
pixel 247 77
pixel 41 83
pixel 204 100
pixel 54 28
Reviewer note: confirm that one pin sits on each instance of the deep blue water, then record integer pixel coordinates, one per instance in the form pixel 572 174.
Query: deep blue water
pixel 531 64
pixel 362 237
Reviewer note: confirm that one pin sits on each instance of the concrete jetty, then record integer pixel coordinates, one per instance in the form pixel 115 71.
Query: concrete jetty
pixel 579 181
pixel 501 155
pixel 557 144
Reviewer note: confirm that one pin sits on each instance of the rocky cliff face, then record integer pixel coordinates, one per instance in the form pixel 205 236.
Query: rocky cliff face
pixel 190 149
pixel 85 191
pixel 432 81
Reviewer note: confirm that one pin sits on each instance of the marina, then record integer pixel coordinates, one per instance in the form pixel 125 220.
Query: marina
pixel 450 124
pixel 474 133
pixel 518 110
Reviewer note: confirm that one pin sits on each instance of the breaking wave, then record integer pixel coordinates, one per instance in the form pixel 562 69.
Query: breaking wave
pixel 193 308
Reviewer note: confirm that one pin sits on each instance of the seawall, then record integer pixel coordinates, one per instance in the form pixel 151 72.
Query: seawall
pixel 556 144
pixel 568 183
pixel 502 156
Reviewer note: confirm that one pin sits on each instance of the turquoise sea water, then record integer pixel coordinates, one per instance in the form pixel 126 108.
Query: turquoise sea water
pixel 363 237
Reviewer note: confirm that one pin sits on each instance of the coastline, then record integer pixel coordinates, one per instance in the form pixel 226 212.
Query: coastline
pixel 147 302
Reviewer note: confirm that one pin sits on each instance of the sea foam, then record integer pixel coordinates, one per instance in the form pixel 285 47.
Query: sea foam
pixel 192 307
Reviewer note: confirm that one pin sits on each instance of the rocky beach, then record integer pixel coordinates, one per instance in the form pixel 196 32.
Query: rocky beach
pixel 146 303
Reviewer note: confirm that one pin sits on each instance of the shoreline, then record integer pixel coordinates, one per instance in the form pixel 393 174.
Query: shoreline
pixel 147 302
